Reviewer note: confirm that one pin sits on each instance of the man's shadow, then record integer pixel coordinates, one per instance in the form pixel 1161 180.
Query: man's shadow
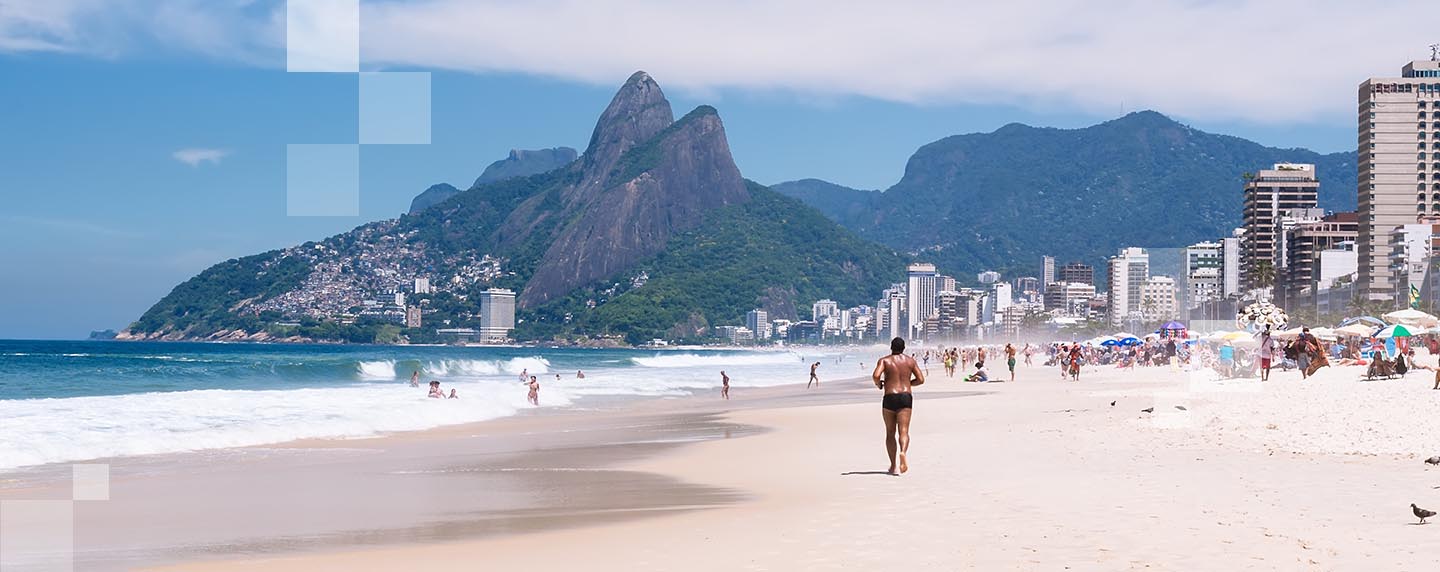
pixel 848 473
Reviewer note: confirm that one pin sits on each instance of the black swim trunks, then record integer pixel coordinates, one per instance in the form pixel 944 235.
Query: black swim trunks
pixel 898 401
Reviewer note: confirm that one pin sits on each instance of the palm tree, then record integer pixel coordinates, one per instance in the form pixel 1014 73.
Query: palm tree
pixel 1262 274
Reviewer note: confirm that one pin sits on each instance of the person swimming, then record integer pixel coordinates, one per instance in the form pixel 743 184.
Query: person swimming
pixel 452 394
pixel 435 391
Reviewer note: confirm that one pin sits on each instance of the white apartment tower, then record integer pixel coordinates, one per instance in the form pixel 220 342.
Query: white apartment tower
pixel 1399 183
pixel 1047 271
pixel 921 281
pixel 822 309
pixel 1129 271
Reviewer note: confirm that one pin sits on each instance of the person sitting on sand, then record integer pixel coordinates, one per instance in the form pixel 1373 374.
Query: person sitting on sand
pixel 980 374
pixel 896 375
pixel 453 395
pixel 435 391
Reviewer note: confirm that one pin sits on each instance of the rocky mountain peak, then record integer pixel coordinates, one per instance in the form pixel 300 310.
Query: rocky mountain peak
pixel 638 112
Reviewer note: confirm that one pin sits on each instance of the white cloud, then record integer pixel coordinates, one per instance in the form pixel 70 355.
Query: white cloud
pixel 1257 60
pixel 194 157
pixel 1268 61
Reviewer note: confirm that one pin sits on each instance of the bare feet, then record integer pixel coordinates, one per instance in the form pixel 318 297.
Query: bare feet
pixel 903 465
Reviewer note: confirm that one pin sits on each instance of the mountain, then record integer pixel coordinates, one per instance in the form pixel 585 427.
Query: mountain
pixel 432 196
pixel 1001 200
pixel 653 232
pixel 836 201
pixel 526 162
pixel 520 163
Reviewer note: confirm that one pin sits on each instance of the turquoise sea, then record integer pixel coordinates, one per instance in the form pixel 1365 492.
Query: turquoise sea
pixel 75 400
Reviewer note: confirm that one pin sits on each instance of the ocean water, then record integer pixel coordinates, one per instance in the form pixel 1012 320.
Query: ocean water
pixel 66 401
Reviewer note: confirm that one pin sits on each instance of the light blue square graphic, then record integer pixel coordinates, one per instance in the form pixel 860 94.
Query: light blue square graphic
pixel 395 108
pixel 322 180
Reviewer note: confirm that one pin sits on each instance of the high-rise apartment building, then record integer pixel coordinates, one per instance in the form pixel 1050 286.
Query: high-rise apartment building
pixel 1409 260
pixel 988 277
pixel 1071 299
pixel 1047 270
pixel 1297 283
pixel 1078 273
pixel 1269 194
pixel 921 282
pixel 422 285
pixel 822 309
pixel 1129 271
pixel 1399 182
pixel 759 322
pixel 497 315
pixel 1158 299
pixel 1203 273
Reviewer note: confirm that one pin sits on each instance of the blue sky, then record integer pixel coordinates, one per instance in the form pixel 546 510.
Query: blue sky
pixel 131 158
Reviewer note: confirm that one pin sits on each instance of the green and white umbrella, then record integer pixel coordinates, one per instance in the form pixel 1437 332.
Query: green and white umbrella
pixel 1395 331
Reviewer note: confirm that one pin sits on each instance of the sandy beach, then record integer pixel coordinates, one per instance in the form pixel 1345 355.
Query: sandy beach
pixel 1037 474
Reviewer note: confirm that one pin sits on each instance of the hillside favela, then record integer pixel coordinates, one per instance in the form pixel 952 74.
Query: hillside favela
pixel 364 285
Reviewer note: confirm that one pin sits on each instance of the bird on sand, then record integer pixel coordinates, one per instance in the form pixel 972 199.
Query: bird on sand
pixel 1181 407
pixel 1422 513
pixel 1112 404
pixel 1148 410
pixel 1433 461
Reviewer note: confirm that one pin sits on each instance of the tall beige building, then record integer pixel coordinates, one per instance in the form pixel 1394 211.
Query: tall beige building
pixel 1399 181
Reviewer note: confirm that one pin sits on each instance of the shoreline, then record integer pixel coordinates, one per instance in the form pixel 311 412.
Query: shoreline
pixel 531 472
pixel 1038 475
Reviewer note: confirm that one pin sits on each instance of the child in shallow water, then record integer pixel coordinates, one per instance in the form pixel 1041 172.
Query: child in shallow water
pixel 452 394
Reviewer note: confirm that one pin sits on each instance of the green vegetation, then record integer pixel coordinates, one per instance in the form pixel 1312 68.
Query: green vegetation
pixel 715 273
pixel 1001 200
pixel 206 303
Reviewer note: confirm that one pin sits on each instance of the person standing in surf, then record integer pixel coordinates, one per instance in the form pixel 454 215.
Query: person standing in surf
pixel 724 385
pixel 534 396
pixel 896 374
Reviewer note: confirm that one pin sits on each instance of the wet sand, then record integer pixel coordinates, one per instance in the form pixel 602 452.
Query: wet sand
pixel 547 471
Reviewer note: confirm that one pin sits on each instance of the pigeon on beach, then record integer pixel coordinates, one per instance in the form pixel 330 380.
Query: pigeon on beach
pixel 1433 460
pixel 1422 513
pixel 1148 410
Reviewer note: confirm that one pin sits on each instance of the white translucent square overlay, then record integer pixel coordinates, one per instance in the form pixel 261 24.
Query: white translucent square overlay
pixel 90 482
pixel 37 535
pixel 395 108
pixel 322 180
pixel 322 35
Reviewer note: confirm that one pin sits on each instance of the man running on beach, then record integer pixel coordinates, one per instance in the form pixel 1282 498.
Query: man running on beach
pixel 814 379
pixel 896 374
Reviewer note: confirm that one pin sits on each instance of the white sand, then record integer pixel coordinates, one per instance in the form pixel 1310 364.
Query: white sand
pixel 1038 475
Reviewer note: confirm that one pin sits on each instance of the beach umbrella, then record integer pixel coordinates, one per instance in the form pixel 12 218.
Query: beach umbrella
pixel 1370 320
pixel 1289 334
pixel 1325 334
pixel 1356 329
pixel 1412 317
pixel 1130 341
pixel 1395 331
pixel 1110 343
pixel 1237 336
